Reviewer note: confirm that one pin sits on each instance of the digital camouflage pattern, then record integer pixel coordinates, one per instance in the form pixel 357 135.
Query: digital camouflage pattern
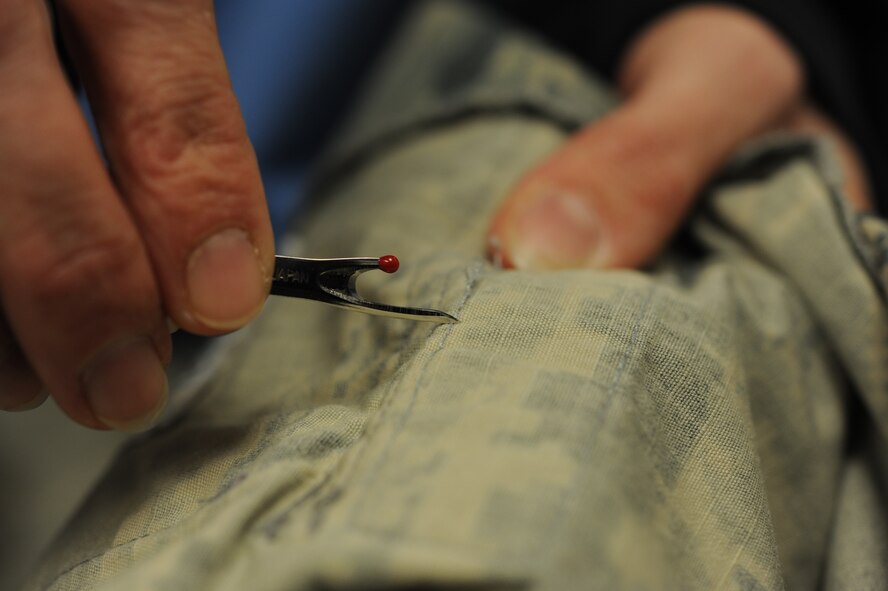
pixel 713 422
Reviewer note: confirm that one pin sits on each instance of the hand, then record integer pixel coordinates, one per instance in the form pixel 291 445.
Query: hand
pixel 92 261
pixel 697 84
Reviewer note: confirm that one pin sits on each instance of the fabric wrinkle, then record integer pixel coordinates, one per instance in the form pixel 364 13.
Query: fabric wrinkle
pixel 684 427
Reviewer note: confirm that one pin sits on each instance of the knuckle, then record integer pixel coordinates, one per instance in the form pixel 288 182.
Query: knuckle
pixel 665 193
pixel 651 168
pixel 91 274
pixel 672 186
pixel 125 13
pixel 183 119
pixel 186 144
pixel 663 179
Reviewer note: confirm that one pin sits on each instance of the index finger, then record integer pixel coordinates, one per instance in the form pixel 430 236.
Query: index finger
pixel 75 280
pixel 179 152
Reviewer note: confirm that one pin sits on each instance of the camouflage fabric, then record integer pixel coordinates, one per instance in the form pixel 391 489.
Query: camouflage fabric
pixel 714 422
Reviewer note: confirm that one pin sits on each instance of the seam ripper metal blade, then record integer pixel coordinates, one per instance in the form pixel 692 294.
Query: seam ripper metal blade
pixel 333 281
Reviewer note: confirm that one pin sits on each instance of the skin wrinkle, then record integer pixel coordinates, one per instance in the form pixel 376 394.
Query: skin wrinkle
pixel 196 171
pixel 78 267
pixel 95 260
pixel 185 169
pixel 121 17
pixel 174 136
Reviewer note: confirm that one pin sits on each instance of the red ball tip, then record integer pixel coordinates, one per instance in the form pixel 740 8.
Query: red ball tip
pixel 389 263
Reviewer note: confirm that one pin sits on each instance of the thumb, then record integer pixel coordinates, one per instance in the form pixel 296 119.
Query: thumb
pixel 698 83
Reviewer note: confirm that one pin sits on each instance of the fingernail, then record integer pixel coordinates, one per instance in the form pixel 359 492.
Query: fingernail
pixel 126 385
pixel 555 230
pixel 31 404
pixel 171 325
pixel 20 388
pixel 495 252
pixel 225 281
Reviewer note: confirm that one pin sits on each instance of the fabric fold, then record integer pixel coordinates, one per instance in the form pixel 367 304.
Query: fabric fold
pixel 685 427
